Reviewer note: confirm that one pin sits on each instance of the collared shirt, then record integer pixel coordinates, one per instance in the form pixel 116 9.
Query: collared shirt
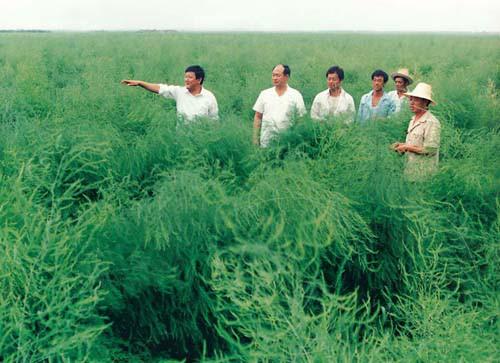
pixel 425 133
pixel 322 108
pixel 398 101
pixel 384 108
pixel 277 111
pixel 190 106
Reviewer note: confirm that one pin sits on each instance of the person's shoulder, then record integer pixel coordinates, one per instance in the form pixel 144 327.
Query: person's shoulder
pixel 432 119
pixel 169 91
pixel 393 95
pixel 366 96
pixel 322 94
pixel 208 93
pixel 346 94
pixel 387 97
pixel 294 92
pixel 170 86
pixel 266 92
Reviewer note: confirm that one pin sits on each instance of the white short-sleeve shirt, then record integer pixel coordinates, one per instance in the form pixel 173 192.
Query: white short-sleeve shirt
pixel 277 111
pixel 189 106
pixel 323 108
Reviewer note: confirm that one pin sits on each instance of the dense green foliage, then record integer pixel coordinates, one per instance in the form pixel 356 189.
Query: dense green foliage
pixel 126 238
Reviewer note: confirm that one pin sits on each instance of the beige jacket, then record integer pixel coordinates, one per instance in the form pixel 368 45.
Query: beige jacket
pixel 426 133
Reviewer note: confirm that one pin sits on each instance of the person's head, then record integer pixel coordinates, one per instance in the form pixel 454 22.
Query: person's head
pixel 193 77
pixel 402 79
pixel 418 104
pixel 379 79
pixel 401 84
pixel 420 98
pixel 334 78
pixel 280 75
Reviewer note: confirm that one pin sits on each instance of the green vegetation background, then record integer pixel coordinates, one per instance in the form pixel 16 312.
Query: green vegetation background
pixel 124 238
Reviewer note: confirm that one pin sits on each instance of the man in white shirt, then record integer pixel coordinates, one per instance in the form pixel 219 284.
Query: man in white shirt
pixel 192 100
pixel 401 80
pixel 334 101
pixel 275 107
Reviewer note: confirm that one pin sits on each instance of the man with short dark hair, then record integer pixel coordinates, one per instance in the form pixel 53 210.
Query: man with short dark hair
pixel 275 107
pixel 192 100
pixel 401 80
pixel 377 103
pixel 334 101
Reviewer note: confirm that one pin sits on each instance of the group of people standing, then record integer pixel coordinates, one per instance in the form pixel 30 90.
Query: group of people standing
pixel 276 107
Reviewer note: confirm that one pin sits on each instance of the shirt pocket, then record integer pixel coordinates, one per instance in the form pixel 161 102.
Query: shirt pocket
pixel 416 136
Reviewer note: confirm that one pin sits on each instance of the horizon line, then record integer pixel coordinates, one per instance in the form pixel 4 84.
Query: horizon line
pixel 40 30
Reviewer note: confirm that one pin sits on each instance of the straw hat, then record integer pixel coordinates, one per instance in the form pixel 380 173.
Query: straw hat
pixel 422 90
pixel 403 73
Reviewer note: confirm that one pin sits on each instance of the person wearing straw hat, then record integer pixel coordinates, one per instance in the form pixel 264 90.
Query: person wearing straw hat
pixel 423 136
pixel 376 104
pixel 401 80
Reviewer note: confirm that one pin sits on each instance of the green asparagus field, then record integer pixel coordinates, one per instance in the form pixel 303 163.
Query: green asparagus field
pixel 125 237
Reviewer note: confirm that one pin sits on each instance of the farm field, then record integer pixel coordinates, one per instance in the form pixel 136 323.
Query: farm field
pixel 125 237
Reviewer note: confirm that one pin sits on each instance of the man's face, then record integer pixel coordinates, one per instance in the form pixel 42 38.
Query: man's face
pixel 378 83
pixel 400 83
pixel 418 104
pixel 190 80
pixel 279 79
pixel 333 81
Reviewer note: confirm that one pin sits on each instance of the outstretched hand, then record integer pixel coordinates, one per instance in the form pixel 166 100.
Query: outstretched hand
pixel 130 82
pixel 151 87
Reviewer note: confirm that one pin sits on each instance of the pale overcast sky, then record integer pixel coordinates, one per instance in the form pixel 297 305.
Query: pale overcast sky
pixel 254 15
